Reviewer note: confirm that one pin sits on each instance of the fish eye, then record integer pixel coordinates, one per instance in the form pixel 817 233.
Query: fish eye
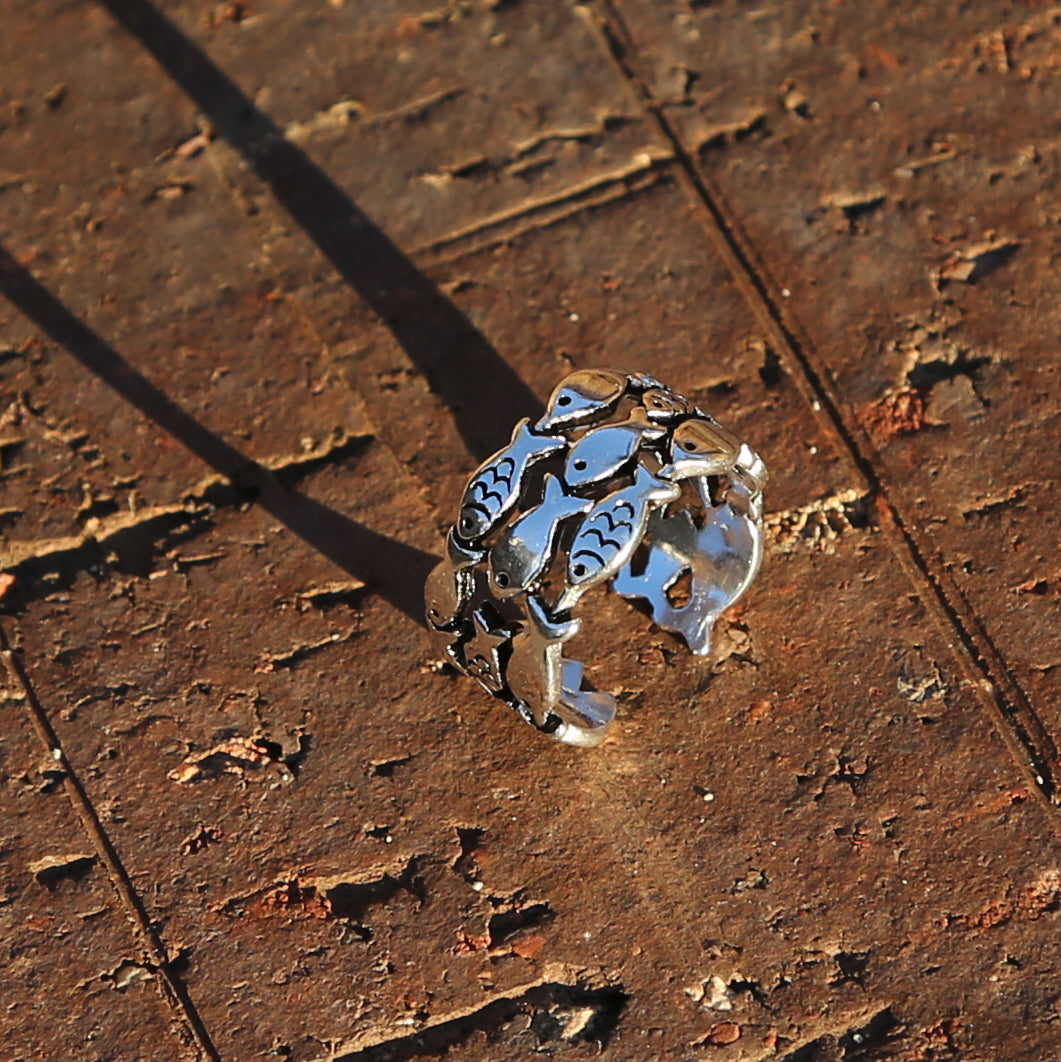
pixel 501 578
pixel 564 400
pixel 578 570
pixel 689 445
pixel 580 465
pixel 467 523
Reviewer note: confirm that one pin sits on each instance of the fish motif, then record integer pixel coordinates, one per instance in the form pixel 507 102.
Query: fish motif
pixel 445 594
pixel 496 486
pixel 609 534
pixel 662 404
pixel 720 560
pixel 700 448
pixel 524 549
pixel 449 585
pixel 602 452
pixel 549 689
pixel 534 671
pixel 581 397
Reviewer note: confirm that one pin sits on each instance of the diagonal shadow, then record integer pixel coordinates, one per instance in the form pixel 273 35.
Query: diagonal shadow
pixel 390 568
pixel 485 396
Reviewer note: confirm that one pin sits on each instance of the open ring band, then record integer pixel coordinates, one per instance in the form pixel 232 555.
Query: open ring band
pixel 622 479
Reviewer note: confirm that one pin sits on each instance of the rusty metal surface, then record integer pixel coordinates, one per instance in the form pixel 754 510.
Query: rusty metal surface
pixel 813 123
pixel 277 276
pixel 75 975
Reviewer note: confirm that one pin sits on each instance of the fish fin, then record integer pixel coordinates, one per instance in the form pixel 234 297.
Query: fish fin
pixel 546 626
pixel 554 490
pixel 658 489
pixel 521 430
pixel 639 420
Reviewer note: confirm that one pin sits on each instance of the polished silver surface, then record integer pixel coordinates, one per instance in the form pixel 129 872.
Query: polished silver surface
pixel 720 560
pixel 701 447
pixel 525 547
pixel 625 462
pixel 604 452
pixel 583 396
pixel 610 532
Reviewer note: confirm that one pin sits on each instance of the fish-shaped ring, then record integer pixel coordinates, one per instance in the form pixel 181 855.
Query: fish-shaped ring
pixel 620 482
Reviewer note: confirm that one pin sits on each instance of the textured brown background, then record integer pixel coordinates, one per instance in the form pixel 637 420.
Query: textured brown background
pixel 279 273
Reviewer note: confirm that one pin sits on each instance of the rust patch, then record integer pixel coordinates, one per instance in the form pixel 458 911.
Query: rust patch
pixel 51 870
pixel 202 839
pixel 722 1034
pixel 235 756
pixel 1041 897
pixel 896 413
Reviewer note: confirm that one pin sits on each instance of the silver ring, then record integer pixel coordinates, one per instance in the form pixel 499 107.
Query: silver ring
pixel 622 479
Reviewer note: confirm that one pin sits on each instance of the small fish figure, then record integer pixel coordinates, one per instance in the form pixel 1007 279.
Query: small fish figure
pixel 534 672
pixel 700 448
pixel 611 531
pixel 664 405
pixel 496 485
pixel 446 593
pixel 720 559
pixel 602 452
pixel 524 549
pixel 449 585
pixel 582 397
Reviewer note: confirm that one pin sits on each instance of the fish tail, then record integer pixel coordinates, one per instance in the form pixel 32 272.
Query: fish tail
pixel 536 445
pixel 560 501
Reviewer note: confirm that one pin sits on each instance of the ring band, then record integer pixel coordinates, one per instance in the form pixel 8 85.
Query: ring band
pixel 624 480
